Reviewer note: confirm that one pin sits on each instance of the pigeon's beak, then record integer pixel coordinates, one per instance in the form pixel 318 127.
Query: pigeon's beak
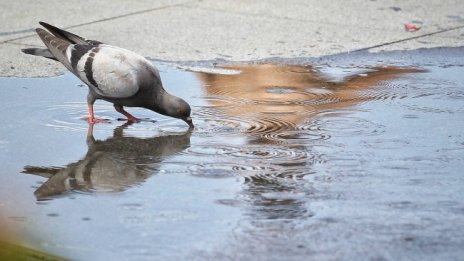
pixel 188 120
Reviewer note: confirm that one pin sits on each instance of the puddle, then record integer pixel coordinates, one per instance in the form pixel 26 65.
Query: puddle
pixel 286 162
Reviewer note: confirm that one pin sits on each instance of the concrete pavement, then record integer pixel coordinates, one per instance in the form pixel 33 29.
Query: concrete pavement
pixel 180 30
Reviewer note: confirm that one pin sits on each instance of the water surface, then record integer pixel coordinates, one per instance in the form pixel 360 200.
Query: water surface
pixel 286 162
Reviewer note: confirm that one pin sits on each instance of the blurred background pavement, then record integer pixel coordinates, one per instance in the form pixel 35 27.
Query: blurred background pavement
pixel 246 30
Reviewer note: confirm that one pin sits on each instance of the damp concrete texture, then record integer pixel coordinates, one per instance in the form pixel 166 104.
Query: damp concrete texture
pixel 176 30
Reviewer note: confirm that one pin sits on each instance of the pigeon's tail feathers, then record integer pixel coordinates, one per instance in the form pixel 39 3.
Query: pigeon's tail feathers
pixel 39 52
pixel 41 171
pixel 65 35
pixel 56 46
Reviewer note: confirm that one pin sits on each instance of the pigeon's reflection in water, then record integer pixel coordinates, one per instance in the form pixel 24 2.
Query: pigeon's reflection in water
pixel 110 165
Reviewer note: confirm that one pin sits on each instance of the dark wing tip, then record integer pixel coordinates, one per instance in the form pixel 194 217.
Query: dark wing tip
pixel 53 29
pixel 49 27
pixel 63 34
pixel 44 24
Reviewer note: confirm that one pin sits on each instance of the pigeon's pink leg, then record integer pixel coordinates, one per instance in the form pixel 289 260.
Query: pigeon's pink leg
pixel 129 116
pixel 92 118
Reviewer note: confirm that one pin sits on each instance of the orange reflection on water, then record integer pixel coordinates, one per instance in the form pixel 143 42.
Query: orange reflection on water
pixel 288 95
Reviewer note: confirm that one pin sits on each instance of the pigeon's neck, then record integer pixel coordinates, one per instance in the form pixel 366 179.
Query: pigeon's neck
pixel 162 102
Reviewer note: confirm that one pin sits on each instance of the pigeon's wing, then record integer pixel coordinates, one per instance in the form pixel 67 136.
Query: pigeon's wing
pixel 70 37
pixel 57 47
pixel 62 35
pixel 110 71
pixel 67 53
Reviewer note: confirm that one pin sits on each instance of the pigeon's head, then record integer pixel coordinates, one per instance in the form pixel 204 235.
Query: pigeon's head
pixel 178 108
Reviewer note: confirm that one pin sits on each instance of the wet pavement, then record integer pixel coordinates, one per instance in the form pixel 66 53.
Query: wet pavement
pixel 351 156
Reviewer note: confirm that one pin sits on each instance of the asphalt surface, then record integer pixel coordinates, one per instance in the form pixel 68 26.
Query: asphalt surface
pixel 198 30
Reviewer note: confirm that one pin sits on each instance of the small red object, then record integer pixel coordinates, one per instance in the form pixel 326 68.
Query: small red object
pixel 411 27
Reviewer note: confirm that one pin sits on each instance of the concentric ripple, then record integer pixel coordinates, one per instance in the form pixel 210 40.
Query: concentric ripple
pixel 278 155
pixel 228 169
pixel 210 150
pixel 345 125
pixel 269 125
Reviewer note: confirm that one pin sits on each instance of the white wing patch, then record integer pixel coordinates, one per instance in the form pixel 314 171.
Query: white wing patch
pixel 69 52
pixel 114 70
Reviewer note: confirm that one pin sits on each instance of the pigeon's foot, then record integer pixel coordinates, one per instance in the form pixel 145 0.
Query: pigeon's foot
pixel 130 117
pixel 96 120
pixel 91 116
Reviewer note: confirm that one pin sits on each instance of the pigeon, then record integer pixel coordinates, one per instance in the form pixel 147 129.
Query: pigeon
pixel 113 74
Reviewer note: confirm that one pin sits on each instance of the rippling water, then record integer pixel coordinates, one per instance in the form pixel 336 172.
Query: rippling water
pixel 285 162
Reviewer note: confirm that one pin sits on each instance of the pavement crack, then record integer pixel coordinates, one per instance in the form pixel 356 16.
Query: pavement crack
pixel 17 32
pixel 409 39
pixel 281 18
pixel 95 21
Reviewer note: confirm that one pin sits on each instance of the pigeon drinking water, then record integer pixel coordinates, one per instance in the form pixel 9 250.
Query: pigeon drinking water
pixel 112 74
